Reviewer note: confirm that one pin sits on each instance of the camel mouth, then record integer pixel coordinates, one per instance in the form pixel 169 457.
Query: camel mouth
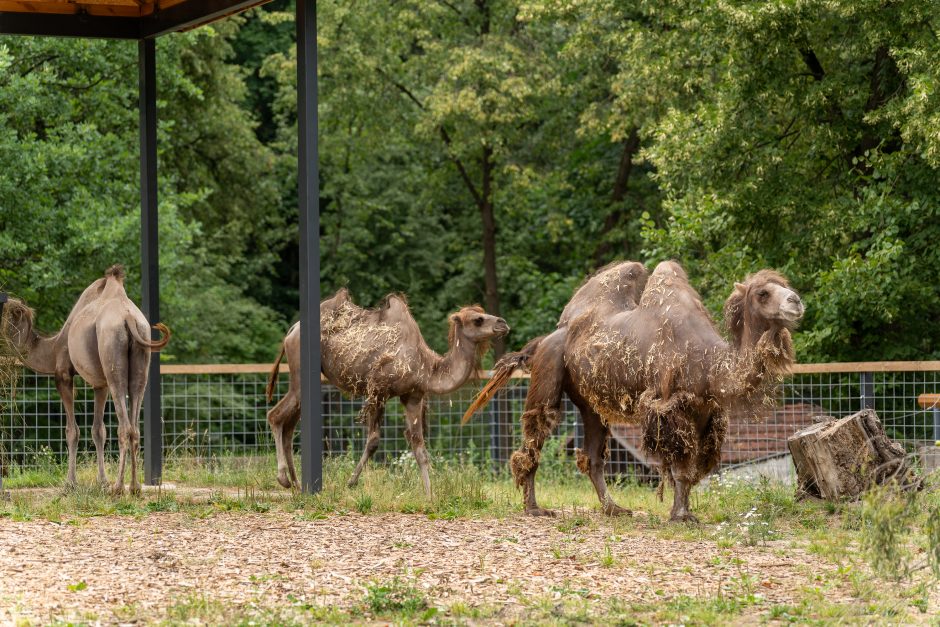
pixel 501 329
pixel 792 312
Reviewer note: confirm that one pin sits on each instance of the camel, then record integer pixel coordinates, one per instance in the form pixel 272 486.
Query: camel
pixel 379 354
pixel 664 366
pixel 104 340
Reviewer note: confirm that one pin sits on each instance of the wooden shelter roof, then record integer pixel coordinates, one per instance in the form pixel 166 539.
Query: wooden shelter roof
pixel 121 19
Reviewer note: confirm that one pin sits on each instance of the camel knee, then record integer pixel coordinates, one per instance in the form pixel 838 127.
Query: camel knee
pixel 372 443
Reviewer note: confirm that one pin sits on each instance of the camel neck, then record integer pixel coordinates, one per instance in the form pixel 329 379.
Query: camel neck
pixel 39 354
pixel 453 369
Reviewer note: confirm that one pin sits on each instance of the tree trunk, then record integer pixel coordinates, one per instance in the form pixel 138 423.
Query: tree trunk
pixel 491 287
pixel 839 459
pixel 630 147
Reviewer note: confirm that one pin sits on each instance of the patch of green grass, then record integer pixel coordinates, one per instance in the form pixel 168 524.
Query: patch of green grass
pixel 395 596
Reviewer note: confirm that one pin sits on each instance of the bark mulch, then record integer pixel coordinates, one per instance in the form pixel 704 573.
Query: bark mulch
pixel 153 562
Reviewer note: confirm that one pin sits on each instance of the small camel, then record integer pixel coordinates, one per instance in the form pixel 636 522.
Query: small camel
pixel 661 364
pixel 103 340
pixel 380 353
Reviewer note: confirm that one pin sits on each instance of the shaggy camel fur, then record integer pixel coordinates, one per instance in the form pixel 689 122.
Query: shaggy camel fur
pixel 379 354
pixel 103 340
pixel 662 365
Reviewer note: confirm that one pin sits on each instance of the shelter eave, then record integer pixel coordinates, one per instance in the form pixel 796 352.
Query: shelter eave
pixel 113 19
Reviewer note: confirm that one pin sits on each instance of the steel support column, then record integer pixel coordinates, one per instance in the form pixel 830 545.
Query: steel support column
pixel 311 415
pixel 149 253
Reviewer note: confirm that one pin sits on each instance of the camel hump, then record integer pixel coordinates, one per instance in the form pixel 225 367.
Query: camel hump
pixel 395 307
pixel 671 267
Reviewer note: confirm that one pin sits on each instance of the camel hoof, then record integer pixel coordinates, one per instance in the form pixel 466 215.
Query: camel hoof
pixel 352 483
pixel 284 481
pixel 117 489
pixel 70 485
pixel 135 489
pixel 686 517
pixel 612 509
pixel 540 511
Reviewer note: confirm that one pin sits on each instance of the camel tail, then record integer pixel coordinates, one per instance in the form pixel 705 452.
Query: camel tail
pixel 272 378
pixel 502 372
pixel 155 346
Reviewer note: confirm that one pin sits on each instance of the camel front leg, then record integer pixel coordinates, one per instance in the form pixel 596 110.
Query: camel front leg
pixel 416 408
pixel 593 459
pixel 372 415
pixel 287 410
pixel 680 501
pixel 99 432
pixel 64 384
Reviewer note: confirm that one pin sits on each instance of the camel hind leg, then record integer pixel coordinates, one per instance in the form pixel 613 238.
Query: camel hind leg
pixel 138 374
pixel 592 460
pixel 99 432
pixel 541 416
pixel 416 407
pixel 116 372
pixel 372 414
pixel 287 445
pixel 286 412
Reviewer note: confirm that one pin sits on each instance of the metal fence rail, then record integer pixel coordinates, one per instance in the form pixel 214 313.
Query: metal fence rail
pixel 211 411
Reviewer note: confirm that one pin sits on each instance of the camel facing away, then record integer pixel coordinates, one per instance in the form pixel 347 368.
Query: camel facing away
pixel 661 364
pixel 104 340
pixel 379 354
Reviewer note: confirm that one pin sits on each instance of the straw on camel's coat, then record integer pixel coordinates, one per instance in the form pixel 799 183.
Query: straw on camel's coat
pixel 105 340
pixel 662 365
pixel 379 354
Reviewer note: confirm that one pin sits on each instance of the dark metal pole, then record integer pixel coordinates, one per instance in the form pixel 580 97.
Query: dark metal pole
pixel 150 252
pixel 311 416
pixel 868 390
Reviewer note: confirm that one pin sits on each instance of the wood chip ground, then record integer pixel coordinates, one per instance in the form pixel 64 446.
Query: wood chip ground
pixel 153 561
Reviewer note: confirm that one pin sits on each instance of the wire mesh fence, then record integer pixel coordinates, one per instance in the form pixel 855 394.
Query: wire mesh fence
pixel 208 414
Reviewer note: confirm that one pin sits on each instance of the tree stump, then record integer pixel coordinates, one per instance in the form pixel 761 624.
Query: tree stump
pixel 841 458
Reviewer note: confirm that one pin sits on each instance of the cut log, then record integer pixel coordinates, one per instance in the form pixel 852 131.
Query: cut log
pixel 841 458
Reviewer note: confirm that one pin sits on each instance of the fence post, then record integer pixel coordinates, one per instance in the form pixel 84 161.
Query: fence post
pixel 3 299
pixel 868 390
pixel 936 427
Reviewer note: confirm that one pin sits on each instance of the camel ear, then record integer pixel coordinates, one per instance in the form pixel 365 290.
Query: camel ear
pixel 454 318
pixel 740 287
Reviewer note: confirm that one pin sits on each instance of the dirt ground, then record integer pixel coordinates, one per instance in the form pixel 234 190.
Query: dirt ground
pixel 151 562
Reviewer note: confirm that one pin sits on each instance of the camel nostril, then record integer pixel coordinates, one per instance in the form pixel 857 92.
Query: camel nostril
pixel 793 298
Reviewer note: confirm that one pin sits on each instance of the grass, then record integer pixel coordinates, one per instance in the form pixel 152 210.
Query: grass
pixel 733 514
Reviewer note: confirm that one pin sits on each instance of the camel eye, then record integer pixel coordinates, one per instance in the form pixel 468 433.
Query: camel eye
pixel 478 322
pixel 763 294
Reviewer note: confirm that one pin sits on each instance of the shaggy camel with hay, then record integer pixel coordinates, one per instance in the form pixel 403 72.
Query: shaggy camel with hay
pixel 379 354
pixel 104 340
pixel 663 365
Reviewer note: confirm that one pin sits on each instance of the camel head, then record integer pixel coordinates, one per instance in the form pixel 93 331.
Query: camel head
pixel 17 324
pixel 763 309
pixel 475 325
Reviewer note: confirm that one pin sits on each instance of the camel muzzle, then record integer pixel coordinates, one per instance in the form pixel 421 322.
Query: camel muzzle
pixel 501 328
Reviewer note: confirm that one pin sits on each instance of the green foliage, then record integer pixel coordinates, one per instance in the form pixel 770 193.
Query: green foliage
pixel 901 531
pixel 728 135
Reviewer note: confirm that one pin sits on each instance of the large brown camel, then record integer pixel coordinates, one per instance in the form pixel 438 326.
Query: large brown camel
pixel 379 354
pixel 104 339
pixel 662 365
